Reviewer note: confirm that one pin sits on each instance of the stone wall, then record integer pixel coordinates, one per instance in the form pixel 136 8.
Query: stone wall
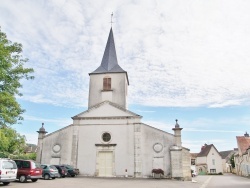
pixel 176 162
pixel 186 162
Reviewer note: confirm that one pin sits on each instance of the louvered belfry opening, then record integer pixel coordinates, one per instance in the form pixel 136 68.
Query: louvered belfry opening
pixel 106 83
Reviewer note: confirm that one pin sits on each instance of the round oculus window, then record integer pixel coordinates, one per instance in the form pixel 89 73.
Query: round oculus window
pixel 56 148
pixel 158 147
pixel 106 137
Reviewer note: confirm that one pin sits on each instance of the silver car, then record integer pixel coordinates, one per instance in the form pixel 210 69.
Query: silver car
pixel 8 171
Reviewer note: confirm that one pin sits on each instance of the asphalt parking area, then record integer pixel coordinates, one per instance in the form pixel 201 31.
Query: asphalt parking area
pixel 89 182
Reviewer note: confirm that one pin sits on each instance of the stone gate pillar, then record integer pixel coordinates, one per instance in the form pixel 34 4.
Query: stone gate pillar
pixel 41 135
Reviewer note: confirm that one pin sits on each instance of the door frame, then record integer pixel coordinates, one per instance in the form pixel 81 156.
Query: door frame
pixel 105 148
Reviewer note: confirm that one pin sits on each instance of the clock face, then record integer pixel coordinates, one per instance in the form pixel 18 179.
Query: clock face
pixel 56 148
pixel 157 147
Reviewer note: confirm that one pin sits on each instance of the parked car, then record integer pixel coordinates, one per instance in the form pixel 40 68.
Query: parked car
pixel 8 171
pixel 70 170
pixel 49 171
pixel 62 171
pixel 28 170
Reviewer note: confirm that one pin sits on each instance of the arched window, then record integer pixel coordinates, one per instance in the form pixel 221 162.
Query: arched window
pixel 107 83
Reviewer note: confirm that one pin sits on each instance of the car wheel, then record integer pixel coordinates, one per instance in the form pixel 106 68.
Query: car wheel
pixel 6 183
pixel 53 178
pixel 73 175
pixel 34 180
pixel 46 176
pixel 22 178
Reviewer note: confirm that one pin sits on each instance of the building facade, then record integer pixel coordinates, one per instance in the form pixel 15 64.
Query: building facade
pixel 242 157
pixel 108 140
pixel 226 163
pixel 209 160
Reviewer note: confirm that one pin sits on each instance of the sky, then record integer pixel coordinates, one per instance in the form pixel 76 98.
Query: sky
pixel 186 60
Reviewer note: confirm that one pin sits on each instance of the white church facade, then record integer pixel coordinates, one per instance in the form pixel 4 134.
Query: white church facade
pixel 108 140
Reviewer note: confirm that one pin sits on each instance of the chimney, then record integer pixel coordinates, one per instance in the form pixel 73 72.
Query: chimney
pixel 203 147
pixel 246 134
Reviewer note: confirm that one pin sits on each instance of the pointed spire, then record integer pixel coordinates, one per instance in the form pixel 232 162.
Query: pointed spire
pixel 109 61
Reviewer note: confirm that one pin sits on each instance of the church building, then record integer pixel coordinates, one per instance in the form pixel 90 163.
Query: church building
pixel 108 140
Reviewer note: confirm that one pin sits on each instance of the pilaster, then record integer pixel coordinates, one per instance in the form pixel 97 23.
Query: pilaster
pixel 137 151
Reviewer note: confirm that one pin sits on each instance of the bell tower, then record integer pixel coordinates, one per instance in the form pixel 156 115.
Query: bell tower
pixel 109 82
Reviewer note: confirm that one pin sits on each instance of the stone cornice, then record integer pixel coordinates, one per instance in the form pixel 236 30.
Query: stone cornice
pixel 105 145
pixel 112 104
pixel 106 118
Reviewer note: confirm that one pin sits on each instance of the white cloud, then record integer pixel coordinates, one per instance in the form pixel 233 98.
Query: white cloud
pixel 59 122
pixel 160 125
pixel 212 130
pixel 30 138
pixel 220 144
pixel 146 111
pixel 177 53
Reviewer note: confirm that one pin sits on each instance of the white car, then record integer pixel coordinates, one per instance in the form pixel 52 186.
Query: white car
pixel 8 171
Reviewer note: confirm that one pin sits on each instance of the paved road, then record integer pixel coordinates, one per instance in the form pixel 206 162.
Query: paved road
pixel 227 181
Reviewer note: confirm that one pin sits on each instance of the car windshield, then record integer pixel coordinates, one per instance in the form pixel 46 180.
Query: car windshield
pixel 69 167
pixel 9 165
pixel 35 165
pixel 53 167
pixel 43 166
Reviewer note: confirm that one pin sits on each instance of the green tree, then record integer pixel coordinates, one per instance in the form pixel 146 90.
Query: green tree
pixel 12 70
pixel 11 142
pixel 232 161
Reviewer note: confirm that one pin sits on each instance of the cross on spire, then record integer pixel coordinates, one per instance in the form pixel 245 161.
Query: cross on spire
pixel 111 19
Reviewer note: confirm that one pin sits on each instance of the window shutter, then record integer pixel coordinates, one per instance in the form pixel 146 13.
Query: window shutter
pixel 106 83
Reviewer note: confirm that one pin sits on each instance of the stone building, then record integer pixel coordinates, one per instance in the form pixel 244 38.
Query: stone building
pixel 107 139
pixel 226 163
pixel 242 157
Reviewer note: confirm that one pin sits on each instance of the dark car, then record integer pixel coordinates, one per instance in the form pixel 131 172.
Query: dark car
pixel 70 170
pixel 62 171
pixel 49 171
pixel 28 169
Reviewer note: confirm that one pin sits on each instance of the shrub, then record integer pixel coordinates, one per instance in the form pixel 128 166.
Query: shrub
pixel 158 171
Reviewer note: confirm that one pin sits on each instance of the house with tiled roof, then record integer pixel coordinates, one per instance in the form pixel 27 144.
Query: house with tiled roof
pixel 209 160
pixel 30 148
pixel 226 163
pixel 242 157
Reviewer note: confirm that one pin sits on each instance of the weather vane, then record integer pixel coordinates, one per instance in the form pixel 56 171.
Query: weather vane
pixel 111 19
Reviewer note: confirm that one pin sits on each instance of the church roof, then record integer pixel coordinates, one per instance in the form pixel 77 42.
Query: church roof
pixel 129 113
pixel 109 62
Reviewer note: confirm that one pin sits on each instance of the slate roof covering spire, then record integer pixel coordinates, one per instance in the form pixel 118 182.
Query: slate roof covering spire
pixel 109 62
